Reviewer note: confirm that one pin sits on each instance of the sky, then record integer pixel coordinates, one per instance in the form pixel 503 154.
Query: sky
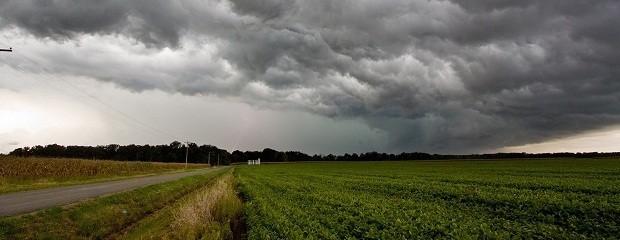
pixel 317 76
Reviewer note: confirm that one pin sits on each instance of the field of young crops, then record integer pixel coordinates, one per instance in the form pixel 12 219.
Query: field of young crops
pixel 560 198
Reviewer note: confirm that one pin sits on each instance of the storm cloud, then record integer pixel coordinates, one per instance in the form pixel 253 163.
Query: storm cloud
pixel 438 76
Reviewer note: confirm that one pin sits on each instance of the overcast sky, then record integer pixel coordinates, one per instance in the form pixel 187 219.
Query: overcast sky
pixel 319 76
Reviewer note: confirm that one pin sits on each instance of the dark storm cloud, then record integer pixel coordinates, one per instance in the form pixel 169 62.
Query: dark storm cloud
pixel 445 76
pixel 267 9
pixel 154 23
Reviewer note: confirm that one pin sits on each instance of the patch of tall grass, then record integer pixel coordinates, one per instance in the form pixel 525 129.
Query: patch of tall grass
pixel 213 212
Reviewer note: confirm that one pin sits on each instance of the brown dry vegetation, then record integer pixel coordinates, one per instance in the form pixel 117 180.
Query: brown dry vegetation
pixel 214 213
pixel 18 174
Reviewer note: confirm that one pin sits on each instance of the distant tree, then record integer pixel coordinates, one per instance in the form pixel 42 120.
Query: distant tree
pixel 268 155
pixel 176 145
pixel 295 156
pixel 281 157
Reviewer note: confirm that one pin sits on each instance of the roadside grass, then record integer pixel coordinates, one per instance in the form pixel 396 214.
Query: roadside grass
pixel 21 174
pixel 101 217
pixel 213 212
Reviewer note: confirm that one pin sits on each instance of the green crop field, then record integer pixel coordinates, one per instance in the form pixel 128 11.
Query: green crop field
pixel 559 198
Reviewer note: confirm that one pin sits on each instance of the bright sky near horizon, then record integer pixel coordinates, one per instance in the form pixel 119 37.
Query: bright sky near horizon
pixel 313 76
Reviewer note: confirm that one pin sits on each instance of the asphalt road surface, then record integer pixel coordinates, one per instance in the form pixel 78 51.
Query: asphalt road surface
pixel 29 201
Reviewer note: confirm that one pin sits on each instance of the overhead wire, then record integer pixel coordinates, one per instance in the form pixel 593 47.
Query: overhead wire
pixel 61 91
pixel 72 96
pixel 119 115
pixel 55 30
pixel 90 96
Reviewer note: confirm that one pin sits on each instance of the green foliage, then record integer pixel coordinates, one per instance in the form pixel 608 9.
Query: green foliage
pixel 560 199
pixel 101 217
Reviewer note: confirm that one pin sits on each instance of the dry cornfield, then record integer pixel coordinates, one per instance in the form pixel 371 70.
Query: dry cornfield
pixel 18 174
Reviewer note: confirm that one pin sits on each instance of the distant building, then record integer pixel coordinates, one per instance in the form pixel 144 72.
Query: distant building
pixel 254 162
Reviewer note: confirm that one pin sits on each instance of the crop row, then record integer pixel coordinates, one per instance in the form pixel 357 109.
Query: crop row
pixel 432 200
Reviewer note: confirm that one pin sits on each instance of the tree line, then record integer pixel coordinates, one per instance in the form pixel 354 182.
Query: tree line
pixel 176 152
pixel 173 152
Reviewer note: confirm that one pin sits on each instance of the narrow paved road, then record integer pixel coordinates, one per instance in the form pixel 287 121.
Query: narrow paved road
pixel 25 202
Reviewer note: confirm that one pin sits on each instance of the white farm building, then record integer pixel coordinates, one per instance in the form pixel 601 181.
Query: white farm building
pixel 254 162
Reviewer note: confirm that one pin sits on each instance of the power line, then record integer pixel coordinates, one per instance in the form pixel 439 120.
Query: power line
pixel 65 93
pixel 72 96
pixel 90 96
pixel 124 116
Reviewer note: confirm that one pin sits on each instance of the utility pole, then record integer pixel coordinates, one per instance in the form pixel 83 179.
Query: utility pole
pixel 209 160
pixel 218 159
pixel 186 152
pixel 6 50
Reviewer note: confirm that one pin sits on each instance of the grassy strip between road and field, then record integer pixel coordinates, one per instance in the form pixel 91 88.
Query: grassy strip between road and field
pixel 21 174
pixel 102 217
pixel 213 212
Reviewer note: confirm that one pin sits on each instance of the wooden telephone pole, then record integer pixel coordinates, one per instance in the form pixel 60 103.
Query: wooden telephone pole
pixel 186 152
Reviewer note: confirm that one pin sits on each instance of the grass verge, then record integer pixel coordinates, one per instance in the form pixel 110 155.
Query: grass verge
pixel 21 174
pixel 101 217
pixel 214 212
